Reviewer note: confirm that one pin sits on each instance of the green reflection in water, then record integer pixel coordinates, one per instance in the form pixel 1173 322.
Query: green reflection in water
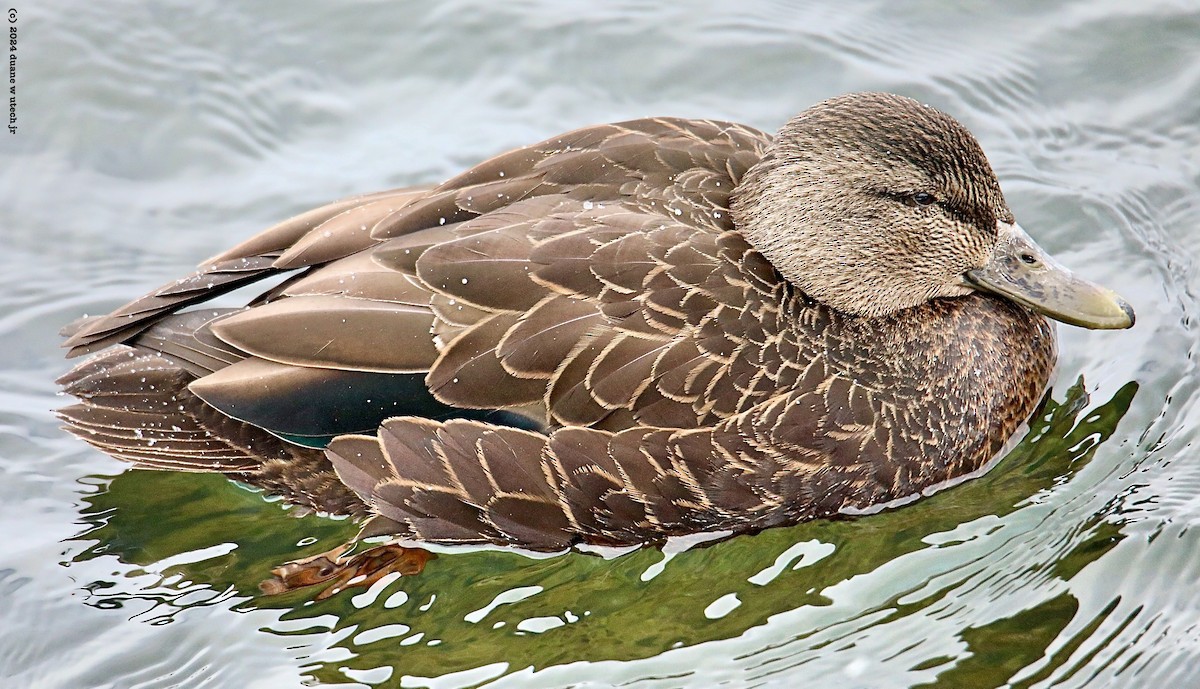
pixel 1001 648
pixel 588 608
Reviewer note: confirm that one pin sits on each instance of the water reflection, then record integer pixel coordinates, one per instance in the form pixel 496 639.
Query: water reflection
pixel 191 540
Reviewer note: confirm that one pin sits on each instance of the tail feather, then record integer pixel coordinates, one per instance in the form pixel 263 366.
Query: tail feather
pixel 134 404
pixel 188 339
pixel 127 380
pixel 316 236
pixel 135 317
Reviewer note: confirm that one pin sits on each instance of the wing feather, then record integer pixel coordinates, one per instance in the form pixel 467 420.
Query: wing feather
pixel 326 331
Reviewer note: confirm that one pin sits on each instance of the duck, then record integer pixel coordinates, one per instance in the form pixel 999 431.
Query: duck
pixel 626 333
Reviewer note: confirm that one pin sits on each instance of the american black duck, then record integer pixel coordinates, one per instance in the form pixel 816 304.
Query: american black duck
pixel 627 332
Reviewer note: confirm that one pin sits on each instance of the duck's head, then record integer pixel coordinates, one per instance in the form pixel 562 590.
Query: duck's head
pixel 871 203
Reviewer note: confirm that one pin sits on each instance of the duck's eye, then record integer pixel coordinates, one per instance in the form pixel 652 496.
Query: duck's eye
pixel 922 198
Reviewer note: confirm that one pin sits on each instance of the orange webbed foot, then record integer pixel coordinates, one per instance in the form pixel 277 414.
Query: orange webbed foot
pixel 357 570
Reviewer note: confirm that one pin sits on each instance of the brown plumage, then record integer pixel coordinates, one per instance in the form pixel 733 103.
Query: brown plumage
pixel 623 333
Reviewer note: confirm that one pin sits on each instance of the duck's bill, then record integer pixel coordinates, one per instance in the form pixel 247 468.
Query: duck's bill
pixel 1021 271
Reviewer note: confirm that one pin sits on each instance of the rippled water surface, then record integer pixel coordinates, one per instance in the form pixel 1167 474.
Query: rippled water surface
pixel 153 135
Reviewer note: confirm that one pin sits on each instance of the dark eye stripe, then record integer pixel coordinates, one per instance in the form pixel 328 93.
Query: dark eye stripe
pixel 910 198
pixel 921 199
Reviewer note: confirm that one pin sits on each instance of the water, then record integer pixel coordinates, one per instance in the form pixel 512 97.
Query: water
pixel 150 137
